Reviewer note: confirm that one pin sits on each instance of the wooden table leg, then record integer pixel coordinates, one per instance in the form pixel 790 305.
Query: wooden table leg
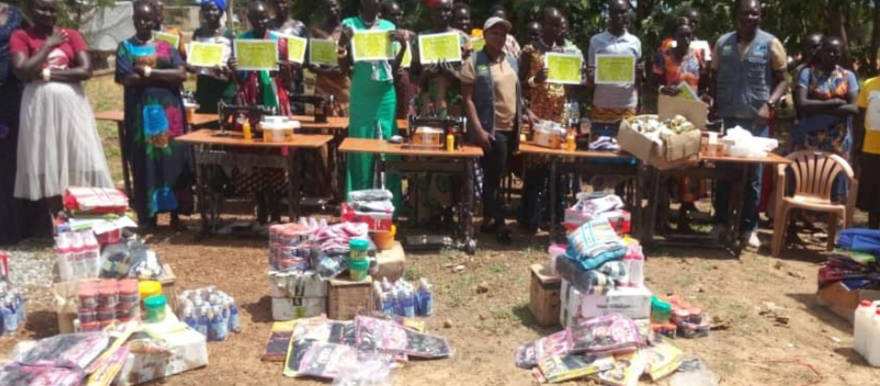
pixel 553 203
pixel 126 167
pixel 201 191
pixel 294 189
pixel 467 215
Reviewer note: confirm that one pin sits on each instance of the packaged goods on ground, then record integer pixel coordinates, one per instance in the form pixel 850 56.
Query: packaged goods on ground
pixel 171 348
pixel 371 207
pixel 210 312
pixel 348 297
pixel 632 302
pixel 95 201
pixel 131 258
pixel 595 206
pixel 391 263
pixel 404 299
pixel 297 295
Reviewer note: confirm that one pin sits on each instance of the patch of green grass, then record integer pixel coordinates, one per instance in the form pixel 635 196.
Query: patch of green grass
pixel 411 274
pixel 503 312
pixel 460 290
pixel 498 268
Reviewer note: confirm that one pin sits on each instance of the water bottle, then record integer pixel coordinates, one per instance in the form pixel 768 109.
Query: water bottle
pixel 426 296
pixel 203 322
pixel 386 285
pixel 234 322
pixel 19 306
pixel 63 253
pixel 378 304
pixel 219 325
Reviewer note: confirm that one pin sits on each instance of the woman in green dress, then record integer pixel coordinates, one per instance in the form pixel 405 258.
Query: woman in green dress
pixel 373 101
pixel 213 84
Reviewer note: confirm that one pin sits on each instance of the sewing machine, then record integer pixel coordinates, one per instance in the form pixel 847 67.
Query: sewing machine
pixel 321 104
pixel 238 113
pixel 432 131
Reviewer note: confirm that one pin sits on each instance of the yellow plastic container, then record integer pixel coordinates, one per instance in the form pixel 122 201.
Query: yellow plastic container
pixel 149 288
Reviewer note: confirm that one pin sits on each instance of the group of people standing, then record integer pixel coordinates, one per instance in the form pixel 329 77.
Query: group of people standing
pixel 51 140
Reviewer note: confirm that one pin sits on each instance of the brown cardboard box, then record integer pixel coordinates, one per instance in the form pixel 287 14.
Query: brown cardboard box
pixel 347 297
pixel 391 263
pixel 696 112
pixel 843 302
pixel 66 303
pixel 675 151
pixel 544 301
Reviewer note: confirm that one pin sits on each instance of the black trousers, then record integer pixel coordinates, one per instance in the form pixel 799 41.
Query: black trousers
pixel 494 168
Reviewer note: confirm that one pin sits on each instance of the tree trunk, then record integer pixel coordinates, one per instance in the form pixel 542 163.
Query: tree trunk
pixel 875 38
pixel 838 28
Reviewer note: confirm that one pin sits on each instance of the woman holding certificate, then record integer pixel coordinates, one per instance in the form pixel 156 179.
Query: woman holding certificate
pixel 213 84
pixel 152 73
pixel 373 99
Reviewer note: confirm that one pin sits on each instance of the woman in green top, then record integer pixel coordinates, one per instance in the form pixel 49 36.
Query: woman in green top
pixel 373 100
pixel 213 84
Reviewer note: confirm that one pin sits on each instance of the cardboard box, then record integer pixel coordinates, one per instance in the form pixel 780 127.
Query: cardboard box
pixel 842 301
pixel 632 302
pixel 696 112
pixel 66 302
pixel 188 351
pixel 544 295
pixel 375 221
pixel 284 309
pixel 391 263
pixel 347 297
pixel 672 150
pixel 297 285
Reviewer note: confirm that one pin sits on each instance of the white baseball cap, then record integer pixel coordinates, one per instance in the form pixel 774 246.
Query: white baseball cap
pixel 495 20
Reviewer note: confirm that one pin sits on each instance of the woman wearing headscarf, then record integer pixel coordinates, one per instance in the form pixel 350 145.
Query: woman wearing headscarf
pixel 152 73
pixel 213 85
pixel 58 143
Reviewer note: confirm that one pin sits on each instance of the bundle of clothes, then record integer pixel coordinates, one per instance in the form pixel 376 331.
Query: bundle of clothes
pixel 854 263
pixel 598 260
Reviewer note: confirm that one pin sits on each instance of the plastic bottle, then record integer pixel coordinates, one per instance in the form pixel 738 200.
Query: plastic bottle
pixel 635 263
pixel 203 322
pixel 426 297
pixel 219 326
pixel 234 321
pixel 189 319
pixel 450 143
pixel 861 326
pixel 378 302
pixel 386 285
pixel 409 305
pixel 388 304
pixel 570 144
pixel 92 255
pixel 77 249
pixel 399 302
pixel 872 340
pixel 63 254
pixel 246 131
pixel 10 320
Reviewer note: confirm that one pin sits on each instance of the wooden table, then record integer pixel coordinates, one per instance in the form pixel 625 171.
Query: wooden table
pixel 579 162
pixel 706 168
pixel 415 160
pixel 199 120
pixel 210 148
pixel 333 124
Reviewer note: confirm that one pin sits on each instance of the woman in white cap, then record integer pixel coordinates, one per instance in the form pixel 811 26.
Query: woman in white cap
pixel 493 102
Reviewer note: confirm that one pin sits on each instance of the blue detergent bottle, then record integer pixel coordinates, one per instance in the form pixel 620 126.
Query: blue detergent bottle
pixel 189 319
pixel 219 325
pixel 10 319
pixel 426 297
pixel 409 305
pixel 203 322
pixel 234 321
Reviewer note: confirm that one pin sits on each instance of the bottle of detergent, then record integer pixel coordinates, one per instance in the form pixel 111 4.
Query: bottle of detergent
pixel 234 321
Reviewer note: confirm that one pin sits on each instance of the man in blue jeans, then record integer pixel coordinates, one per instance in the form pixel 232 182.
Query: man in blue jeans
pixel 747 83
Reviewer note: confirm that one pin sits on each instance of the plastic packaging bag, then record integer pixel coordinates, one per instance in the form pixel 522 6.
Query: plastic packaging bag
pixel 75 351
pixel 20 375
pixel 609 334
pixel 531 354
pixel 694 373
pixel 371 370
pixel 131 259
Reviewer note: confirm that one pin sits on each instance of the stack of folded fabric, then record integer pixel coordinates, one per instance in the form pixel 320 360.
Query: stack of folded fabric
pixel 598 206
pixel 372 207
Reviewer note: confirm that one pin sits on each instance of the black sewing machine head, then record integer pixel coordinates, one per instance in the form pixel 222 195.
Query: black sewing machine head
pixel 321 104
pixel 450 125
pixel 233 116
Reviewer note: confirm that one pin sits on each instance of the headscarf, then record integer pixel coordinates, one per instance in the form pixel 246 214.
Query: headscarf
pixel 220 3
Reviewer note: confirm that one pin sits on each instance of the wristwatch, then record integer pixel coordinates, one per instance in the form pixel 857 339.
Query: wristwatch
pixel 771 105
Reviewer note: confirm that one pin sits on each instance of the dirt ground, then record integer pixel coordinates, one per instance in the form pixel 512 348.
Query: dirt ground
pixel 487 328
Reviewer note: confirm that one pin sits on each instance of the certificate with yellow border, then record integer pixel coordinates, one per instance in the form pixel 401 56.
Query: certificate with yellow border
pixel 256 54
